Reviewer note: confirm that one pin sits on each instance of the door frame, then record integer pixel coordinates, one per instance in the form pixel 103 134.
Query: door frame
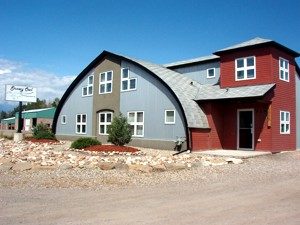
pixel 238 128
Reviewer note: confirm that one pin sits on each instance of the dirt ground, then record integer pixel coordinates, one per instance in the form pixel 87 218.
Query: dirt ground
pixel 263 190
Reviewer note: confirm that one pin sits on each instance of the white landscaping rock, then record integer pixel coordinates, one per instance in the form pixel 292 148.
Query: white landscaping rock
pixel 234 160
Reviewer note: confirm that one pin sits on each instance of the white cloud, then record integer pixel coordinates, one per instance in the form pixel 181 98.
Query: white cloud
pixel 48 85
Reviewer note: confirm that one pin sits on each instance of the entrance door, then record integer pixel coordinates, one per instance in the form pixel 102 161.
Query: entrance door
pixel 245 129
pixel 27 124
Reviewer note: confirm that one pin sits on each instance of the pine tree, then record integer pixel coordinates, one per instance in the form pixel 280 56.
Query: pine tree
pixel 119 131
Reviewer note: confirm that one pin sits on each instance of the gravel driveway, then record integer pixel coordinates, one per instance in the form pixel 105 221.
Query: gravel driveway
pixel 263 190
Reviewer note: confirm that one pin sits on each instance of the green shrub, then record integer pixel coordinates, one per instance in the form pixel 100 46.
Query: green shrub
pixel 119 131
pixel 42 131
pixel 84 143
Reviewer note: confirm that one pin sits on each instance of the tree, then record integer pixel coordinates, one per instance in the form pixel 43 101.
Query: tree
pixel 3 115
pixel 119 131
pixel 55 102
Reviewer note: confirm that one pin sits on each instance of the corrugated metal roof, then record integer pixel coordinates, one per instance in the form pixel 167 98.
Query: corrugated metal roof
pixel 36 110
pixel 190 61
pixel 185 90
pixel 7 120
pixel 214 92
pixel 254 41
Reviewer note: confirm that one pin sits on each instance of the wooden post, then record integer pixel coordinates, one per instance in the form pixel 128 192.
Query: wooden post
pixel 20 121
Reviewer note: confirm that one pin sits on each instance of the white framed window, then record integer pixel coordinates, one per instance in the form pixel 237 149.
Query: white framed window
pixel 88 89
pixel 136 122
pixel 169 116
pixel 284 69
pixel 285 118
pixel 105 119
pixel 211 73
pixel 245 68
pixel 127 83
pixel 63 119
pixel 81 124
pixel 105 82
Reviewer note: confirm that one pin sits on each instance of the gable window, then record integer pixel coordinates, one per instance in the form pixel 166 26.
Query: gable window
pixel 284 69
pixel 105 82
pixel 284 122
pixel 88 89
pixel 169 116
pixel 127 83
pixel 63 119
pixel 81 123
pixel 211 72
pixel 105 119
pixel 245 68
pixel 136 121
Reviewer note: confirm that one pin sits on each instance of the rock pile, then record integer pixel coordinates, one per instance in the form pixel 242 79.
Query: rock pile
pixel 26 155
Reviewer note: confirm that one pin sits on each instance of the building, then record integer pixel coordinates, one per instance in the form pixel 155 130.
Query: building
pixel 241 97
pixel 8 123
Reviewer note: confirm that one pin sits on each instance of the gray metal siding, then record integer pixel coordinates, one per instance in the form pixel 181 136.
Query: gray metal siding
pixel 76 104
pixel 153 98
pixel 298 109
pixel 199 72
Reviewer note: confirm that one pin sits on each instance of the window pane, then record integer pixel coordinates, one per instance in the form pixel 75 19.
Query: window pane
pixel 125 73
pixel 170 116
pixel 102 88
pixel 83 128
pixel 90 90
pixel 240 74
pixel 102 117
pixel 108 117
pixel 131 117
pixel 78 129
pixel 281 63
pixel 211 73
pixel 139 130
pixel 287 128
pixel 286 64
pixel 125 85
pixel 102 129
pixel 287 117
pixel 282 128
pixel 250 61
pixel 281 74
pixel 250 73
pixel 78 119
pixel 140 117
pixel 108 87
pixel 83 118
pixel 84 91
pixel 90 80
pixel 109 76
pixel 63 119
pixel 286 77
pixel 132 83
pixel 240 63
pixel 102 77
pixel 132 129
pixel 282 117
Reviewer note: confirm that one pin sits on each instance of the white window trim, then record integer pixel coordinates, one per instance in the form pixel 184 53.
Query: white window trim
pixel 87 87
pixel 106 82
pixel 105 123
pixel 284 69
pixel 62 120
pixel 168 110
pixel 285 122
pixel 128 80
pixel 135 123
pixel 81 124
pixel 207 73
pixel 245 68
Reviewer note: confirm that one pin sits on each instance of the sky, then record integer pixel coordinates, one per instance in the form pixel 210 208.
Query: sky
pixel 47 43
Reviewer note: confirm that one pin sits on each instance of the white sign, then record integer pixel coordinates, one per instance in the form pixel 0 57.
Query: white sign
pixel 20 93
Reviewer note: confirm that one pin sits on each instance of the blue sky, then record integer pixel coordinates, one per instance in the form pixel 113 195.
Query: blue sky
pixel 58 38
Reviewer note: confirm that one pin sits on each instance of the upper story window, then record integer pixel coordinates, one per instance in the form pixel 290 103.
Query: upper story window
pixel 284 122
pixel 81 123
pixel 211 72
pixel 105 82
pixel 127 83
pixel 284 69
pixel 88 89
pixel 136 121
pixel 169 116
pixel 105 119
pixel 63 119
pixel 245 68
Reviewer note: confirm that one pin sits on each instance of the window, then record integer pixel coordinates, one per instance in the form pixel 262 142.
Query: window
pixel 81 123
pixel 63 119
pixel 284 69
pixel 245 68
pixel 210 72
pixel 169 116
pixel 136 121
pixel 127 83
pixel 105 119
pixel 105 82
pixel 284 122
pixel 88 89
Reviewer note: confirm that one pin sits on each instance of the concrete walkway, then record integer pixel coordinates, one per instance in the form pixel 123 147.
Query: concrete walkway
pixel 233 153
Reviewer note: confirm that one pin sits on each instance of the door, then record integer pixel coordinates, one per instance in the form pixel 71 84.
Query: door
pixel 27 124
pixel 245 129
